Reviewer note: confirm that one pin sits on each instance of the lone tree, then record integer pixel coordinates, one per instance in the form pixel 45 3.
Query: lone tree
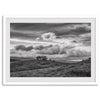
pixel 41 58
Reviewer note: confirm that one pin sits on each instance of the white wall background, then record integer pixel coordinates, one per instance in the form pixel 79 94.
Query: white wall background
pixel 51 8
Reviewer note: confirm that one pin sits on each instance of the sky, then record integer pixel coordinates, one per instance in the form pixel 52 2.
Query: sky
pixel 54 40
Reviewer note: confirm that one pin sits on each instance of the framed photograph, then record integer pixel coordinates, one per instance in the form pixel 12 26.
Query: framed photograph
pixel 49 51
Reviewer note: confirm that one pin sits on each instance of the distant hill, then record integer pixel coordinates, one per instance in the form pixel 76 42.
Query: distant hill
pixel 29 67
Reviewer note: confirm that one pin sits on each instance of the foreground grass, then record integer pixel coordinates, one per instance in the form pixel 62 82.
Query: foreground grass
pixel 34 68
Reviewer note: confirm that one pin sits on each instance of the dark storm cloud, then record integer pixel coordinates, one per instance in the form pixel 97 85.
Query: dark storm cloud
pixel 73 29
pixel 34 30
pixel 35 26
pixel 41 47
pixel 23 48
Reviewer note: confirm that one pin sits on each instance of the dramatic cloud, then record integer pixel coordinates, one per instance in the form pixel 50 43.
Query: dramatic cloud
pixel 67 46
pixel 51 50
pixel 34 30
pixel 79 51
pixel 75 51
pixel 22 53
pixel 49 36
pixel 41 47
pixel 23 48
pixel 50 39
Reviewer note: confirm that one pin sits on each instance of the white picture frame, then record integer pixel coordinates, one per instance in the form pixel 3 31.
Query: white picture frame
pixel 7 80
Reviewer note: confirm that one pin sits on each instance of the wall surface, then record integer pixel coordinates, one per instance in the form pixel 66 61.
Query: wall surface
pixel 51 8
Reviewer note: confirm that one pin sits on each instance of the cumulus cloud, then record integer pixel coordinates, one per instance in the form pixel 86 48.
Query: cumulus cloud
pixel 50 50
pixel 51 37
pixel 49 44
pixel 23 48
pixel 41 47
pixel 79 51
pixel 23 53
pixel 48 36
pixel 67 46
pixel 68 51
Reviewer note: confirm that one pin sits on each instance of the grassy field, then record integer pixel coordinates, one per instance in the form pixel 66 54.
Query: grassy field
pixel 29 67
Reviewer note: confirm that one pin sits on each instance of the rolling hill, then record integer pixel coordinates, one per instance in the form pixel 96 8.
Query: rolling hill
pixel 29 67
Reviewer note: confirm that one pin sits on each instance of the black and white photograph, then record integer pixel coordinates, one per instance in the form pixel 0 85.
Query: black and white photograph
pixel 51 49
